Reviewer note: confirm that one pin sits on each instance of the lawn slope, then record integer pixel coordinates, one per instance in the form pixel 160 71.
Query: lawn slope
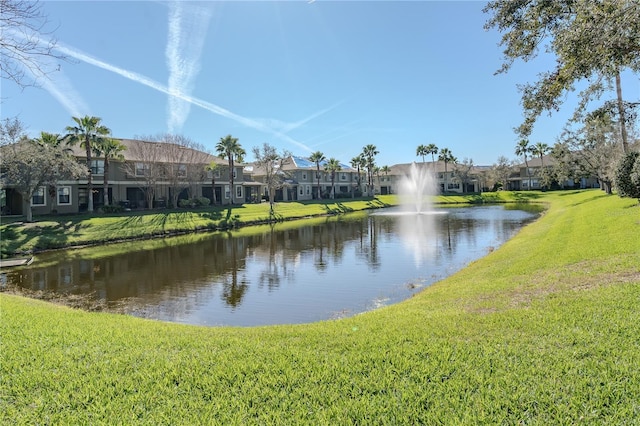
pixel 543 330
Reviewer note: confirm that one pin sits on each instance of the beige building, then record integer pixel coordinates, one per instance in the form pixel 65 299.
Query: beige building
pixel 301 180
pixel 149 174
pixel 528 176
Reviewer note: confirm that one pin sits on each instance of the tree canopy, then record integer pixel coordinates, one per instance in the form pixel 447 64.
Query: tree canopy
pixel 29 166
pixel 591 40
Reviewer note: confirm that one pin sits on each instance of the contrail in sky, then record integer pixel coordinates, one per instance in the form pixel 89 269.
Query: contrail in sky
pixel 187 30
pixel 139 78
pixel 64 93
pixel 62 90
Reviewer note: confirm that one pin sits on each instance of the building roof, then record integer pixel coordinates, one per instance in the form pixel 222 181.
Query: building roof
pixel 160 152
pixel 294 162
pixel 548 160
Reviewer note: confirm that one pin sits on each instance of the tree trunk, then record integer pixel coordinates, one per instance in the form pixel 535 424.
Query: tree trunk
pixel 213 191
pixel 105 183
pixel 150 194
pixel 53 193
pixel 89 176
pixel 623 126
pixel 29 213
pixel 231 188
pixel 526 163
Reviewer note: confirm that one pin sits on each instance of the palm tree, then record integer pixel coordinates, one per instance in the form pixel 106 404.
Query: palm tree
pixel 433 150
pixel 421 151
pixel 88 131
pixel 318 157
pixel 523 148
pixel 213 167
pixel 332 166
pixel 229 148
pixel 52 140
pixel 447 157
pixel 111 149
pixel 368 153
pixel 49 139
pixel 358 163
pixel 540 149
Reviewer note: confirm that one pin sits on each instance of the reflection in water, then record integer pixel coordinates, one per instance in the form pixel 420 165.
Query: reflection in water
pixel 417 231
pixel 338 267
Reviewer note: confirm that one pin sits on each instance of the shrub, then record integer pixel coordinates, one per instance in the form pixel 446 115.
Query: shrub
pixel 194 202
pixel 201 201
pixel 627 176
pixel 112 208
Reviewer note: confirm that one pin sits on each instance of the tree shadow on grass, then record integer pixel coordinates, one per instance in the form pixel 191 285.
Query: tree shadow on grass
pixel 377 204
pixel 523 197
pixel 602 195
pixel 336 208
pixel 34 234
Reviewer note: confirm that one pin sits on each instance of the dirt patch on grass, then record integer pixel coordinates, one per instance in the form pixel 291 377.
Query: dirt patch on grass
pixel 581 276
pixel 76 301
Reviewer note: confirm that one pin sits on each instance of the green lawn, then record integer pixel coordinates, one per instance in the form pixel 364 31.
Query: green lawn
pixel 544 330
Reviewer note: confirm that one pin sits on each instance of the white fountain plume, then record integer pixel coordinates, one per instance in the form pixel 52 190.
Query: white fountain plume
pixel 416 189
pixel 417 226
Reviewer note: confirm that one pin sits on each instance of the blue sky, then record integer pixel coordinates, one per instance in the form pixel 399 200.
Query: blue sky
pixel 303 76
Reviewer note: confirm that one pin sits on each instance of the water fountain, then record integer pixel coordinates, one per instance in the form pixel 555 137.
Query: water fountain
pixel 417 226
pixel 416 189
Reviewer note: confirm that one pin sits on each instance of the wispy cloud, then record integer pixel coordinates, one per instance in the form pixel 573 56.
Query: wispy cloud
pixel 188 24
pixel 55 82
pixel 216 109
pixel 62 90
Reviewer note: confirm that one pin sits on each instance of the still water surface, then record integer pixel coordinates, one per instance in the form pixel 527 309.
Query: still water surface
pixel 340 267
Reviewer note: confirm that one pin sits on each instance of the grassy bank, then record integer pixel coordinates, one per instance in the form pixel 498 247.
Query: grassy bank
pixel 543 330
pixel 51 232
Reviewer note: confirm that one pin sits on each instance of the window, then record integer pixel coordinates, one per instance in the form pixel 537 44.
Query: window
pixel 227 192
pixel 181 170
pixel 38 197
pixel 142 169
pixel 304 176
pixel 301 191
pixel 454 185
pixel 308 190
pixel 97 167
pixel 238 191
pixel 343 176
pixel 235 173
pixel 64 196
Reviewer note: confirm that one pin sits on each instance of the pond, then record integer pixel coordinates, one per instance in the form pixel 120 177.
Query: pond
pixel 322 269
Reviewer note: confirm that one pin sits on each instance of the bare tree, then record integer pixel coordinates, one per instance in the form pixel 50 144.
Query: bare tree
pixel 27 45
pixel 185 163
pixel 464 173
pixel 145 162
pixel 11 131
pixel 271 163
pixel 500 172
